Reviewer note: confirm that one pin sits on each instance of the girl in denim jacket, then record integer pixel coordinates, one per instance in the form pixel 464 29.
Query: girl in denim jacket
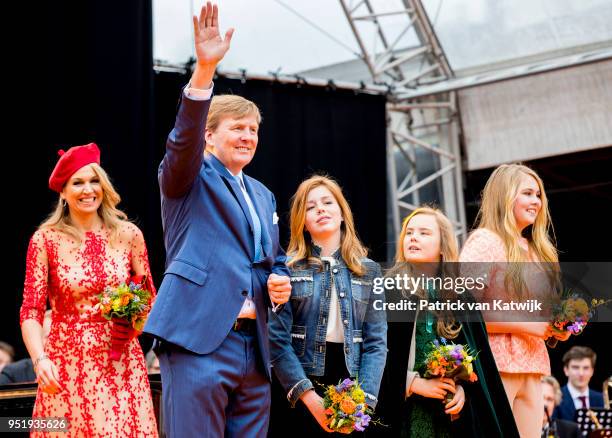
pixel 329 330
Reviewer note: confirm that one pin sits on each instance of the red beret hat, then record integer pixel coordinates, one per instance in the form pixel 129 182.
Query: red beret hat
pixel 71 161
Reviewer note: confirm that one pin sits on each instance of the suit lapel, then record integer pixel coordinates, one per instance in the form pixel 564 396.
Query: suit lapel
pixel 232 185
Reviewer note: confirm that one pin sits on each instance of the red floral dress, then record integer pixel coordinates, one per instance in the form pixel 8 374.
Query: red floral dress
pixel 100 397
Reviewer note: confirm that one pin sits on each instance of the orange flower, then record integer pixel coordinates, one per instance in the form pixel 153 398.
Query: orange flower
pixel 473 377
pixel 125 299
pixel 348 406
pixel 559 325
pixel 336 398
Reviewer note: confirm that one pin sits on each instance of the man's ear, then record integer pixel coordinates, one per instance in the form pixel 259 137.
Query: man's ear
pixel 208 137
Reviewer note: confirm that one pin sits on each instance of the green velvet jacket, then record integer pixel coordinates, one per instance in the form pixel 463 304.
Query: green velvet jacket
pixel 486 412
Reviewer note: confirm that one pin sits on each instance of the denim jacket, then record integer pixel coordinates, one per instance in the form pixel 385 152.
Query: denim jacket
pixel 298 331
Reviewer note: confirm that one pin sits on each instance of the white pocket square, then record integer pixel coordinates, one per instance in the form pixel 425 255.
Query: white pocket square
pixel 274 219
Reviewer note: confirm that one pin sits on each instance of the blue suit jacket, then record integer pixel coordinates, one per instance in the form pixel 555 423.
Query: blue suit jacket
pixel 209 243
pixel 567 411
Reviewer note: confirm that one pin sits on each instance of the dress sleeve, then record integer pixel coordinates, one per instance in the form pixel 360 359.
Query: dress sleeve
pixel 140 260
pixel 36 280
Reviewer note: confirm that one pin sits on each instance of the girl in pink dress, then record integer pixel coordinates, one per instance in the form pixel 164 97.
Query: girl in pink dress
pixel 512 231
pixel 84 246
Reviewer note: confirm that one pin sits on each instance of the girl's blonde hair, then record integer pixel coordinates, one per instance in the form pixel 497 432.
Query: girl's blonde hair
pixel 497 214
pixel 447 326
pixel 111 216
pixel 300 247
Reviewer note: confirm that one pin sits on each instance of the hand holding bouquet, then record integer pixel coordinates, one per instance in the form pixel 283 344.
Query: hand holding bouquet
pixel 127 306
pixel 453 361
pixel 346 408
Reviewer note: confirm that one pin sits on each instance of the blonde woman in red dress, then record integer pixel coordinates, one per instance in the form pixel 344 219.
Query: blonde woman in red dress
pixel 84 246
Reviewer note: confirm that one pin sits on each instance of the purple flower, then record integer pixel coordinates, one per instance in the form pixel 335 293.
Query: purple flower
pixel 458 362
pixel 346 384
pixel 358 427
pixel 576 327
pixel 456 354
pixel 365 420
pixel 443 340
pixel 436 343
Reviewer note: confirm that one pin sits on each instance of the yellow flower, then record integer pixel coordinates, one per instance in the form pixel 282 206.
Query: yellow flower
pixel 116 304
pixel 358 395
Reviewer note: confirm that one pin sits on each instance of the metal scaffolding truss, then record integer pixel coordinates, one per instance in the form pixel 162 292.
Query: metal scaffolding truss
pixel 423 154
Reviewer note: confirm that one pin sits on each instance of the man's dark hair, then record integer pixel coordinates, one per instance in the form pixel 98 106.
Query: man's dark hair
pixel 578 352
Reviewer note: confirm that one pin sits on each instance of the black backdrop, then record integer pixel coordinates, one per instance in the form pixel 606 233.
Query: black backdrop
pixel 81 72
pixel 90 78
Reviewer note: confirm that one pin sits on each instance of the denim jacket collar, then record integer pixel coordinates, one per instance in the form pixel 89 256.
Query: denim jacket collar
pixel 316 251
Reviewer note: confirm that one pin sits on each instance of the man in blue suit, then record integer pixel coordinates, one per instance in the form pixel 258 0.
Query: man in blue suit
pixel 224 264
pixel 578 366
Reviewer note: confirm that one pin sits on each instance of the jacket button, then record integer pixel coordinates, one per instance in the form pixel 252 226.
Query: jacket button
pixel 244 293
pixel 345 322
pixel 335 270
pixel 341 294
pixel 346 350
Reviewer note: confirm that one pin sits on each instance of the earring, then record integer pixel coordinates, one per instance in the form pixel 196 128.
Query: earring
pixel 64 203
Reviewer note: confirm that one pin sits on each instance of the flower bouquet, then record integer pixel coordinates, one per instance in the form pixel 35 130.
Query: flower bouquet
pixel 571 314
pixel 453 361
pixel 127 306
pixel 346 408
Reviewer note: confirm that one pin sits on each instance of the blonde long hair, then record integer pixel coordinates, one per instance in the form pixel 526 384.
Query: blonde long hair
pixel 497 214
pixel 300 249
pixel 449 251
pixel 111 216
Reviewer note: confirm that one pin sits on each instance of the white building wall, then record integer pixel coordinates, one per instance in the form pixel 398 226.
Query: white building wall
pixel 538 116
